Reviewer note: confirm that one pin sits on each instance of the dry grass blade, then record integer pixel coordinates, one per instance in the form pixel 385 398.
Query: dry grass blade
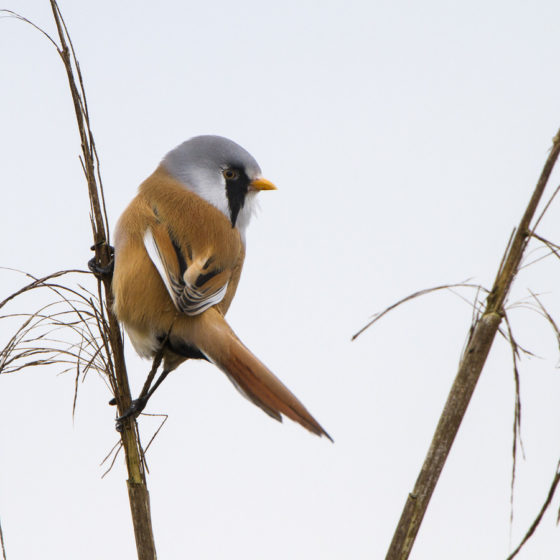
pixel 36 281
pixel 548 317
pixel 545 209
pixel 4 557
pixel 410 297
pixel 15 15
pixel 554 248
pixel 115 450
pixel 61 332
pixel 540 515
pixel 165 417
pixel 517 440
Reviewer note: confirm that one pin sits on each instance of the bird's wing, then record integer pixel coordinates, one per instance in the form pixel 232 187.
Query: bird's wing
pixel 191 279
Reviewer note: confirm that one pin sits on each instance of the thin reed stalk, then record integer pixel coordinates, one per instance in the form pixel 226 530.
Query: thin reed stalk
pixel 99 344
pixel 481 337
pixel 112 340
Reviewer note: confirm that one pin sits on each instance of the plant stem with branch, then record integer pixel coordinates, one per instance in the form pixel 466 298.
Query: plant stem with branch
pixel 137 488
pixel 480 341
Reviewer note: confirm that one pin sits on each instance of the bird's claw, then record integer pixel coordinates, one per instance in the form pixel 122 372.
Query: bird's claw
pixel 136 407
pixel 102 271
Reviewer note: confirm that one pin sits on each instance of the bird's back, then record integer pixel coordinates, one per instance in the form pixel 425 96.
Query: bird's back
pixel 204 231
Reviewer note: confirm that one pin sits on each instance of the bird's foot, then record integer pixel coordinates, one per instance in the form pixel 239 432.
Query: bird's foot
pixel 134 410
pixel 102 272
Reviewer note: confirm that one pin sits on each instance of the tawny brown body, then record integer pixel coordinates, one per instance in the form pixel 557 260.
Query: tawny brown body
pixel 187 228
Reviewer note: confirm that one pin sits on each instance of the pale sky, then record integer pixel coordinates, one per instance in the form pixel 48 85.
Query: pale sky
pixel 405 139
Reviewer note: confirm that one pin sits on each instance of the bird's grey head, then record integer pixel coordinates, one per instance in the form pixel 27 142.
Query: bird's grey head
pixel 220 171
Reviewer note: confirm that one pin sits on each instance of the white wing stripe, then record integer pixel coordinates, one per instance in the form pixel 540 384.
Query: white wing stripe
pixel 154 254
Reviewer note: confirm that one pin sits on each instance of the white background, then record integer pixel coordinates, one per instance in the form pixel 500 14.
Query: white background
pixel 405 139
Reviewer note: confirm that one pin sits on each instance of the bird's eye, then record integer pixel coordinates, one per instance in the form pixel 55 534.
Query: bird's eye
pixel 230 174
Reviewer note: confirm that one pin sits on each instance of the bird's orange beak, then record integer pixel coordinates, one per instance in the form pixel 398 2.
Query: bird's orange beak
pixel 262 184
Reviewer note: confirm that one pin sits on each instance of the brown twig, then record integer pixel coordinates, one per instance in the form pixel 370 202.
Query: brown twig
pixel 137 488
pixel 110 341
pixel 480 341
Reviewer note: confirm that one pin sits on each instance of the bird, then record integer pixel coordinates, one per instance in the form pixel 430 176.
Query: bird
pixel 179 249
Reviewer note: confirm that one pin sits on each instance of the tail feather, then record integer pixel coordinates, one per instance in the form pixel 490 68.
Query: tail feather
pixel 254 380
pixel 245 391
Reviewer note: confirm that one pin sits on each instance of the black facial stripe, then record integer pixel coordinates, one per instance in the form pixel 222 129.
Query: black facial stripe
pixel 236 191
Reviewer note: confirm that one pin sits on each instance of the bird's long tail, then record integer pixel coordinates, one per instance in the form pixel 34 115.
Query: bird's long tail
pixel 250 376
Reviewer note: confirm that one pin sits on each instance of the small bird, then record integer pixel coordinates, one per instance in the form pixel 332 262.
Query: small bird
pixel 179 251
